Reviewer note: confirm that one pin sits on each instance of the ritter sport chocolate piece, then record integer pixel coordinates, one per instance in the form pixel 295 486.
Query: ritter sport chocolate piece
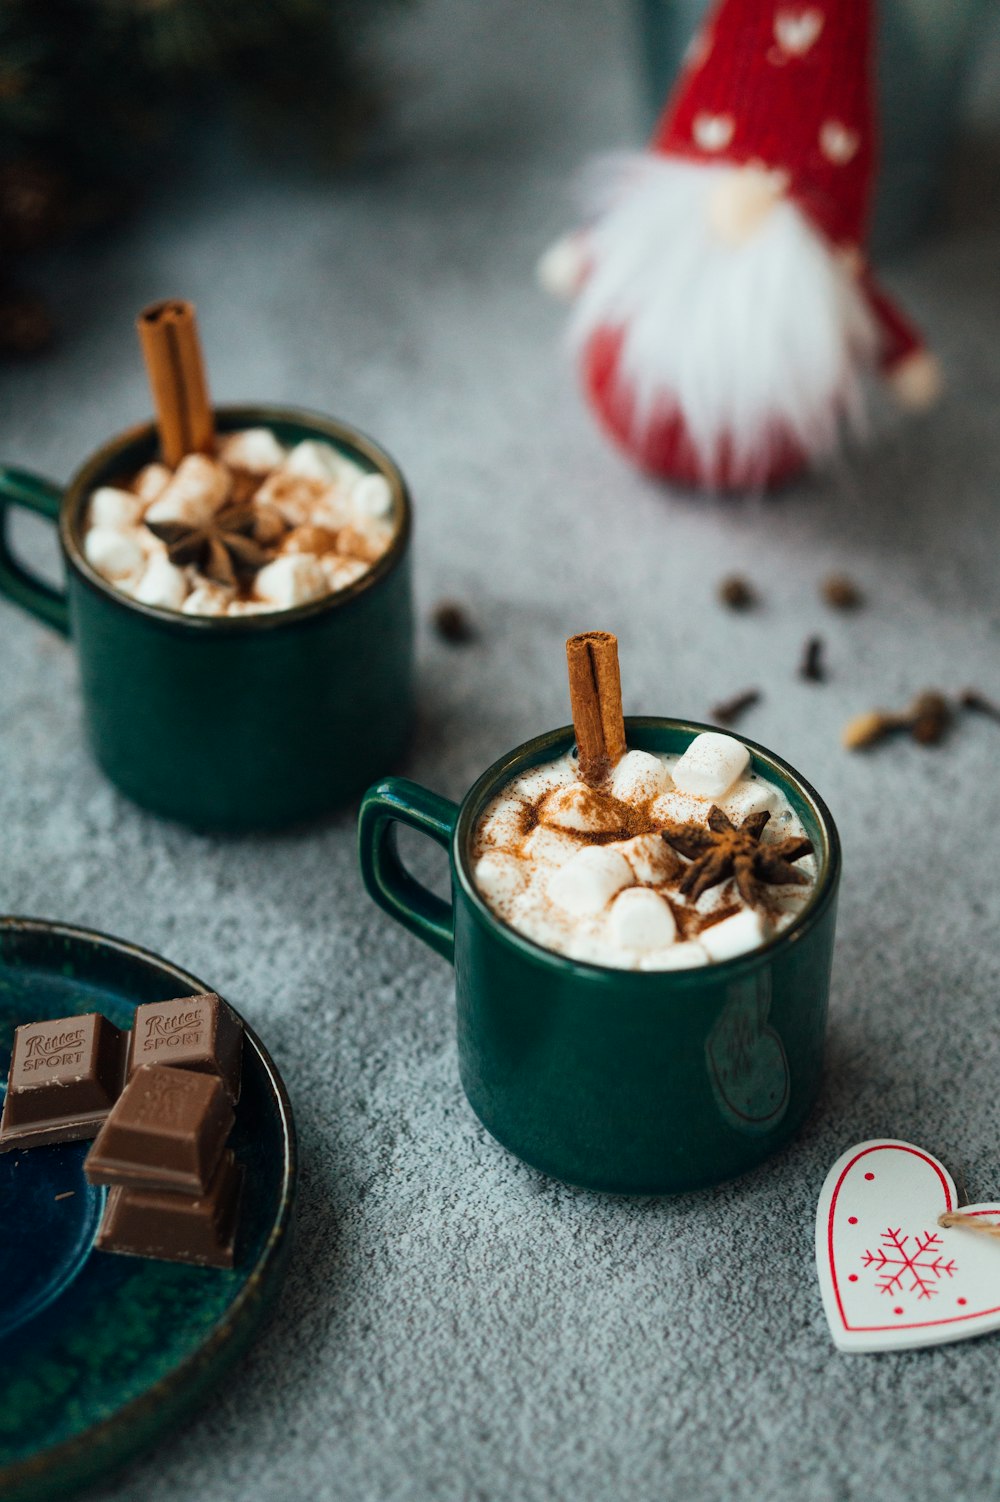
pixel 65 1075
pixel 167 1131
pixel 196 1032
pixel 176 1227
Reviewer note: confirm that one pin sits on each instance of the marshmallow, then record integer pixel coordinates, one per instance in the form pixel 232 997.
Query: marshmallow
pixel 253 449
pixel 640 919
pixel 710 765
pixel 749 797
pixel 198 488
pixel 500 877
pixel 650 857
pixel 297 497
pixel 251 607
pixel 639 776
pixel 368 542
pixel 207 599
pixel 309 539
pixel 789 900
pixel 331 510
pixel 733 936
pixel 371 498
pixel 783 823
pixel 579 807
pixel 677 957
pixel 549 847
pixel 543 779
pixel 269 525
pixel 340 572
pixel 293 579
pixel 114 508
pixel 591 949
pixel 312 460
pixel 162 584
pixel 503 826
pixel 677 808
pixel 114 554
pixel 151 482
pixel 151 545
pixel 589 880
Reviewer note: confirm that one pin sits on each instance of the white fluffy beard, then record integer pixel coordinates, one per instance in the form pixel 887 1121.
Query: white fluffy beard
pixel 752 344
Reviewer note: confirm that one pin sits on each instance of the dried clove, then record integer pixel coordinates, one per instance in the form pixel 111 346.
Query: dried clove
pixel 452 623
pixel 728 711
pixel 841 593
pixel 812 666
pixel 972 699
pixel 929 718
pixel 737 593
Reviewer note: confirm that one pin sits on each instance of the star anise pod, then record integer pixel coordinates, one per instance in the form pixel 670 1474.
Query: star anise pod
pixel 222 548
pixel 724 850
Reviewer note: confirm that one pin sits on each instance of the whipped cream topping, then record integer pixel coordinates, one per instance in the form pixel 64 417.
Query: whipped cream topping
pixel 320 522
pixel 586 872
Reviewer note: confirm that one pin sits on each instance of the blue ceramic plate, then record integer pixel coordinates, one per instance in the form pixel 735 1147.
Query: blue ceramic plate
pixel 101 1353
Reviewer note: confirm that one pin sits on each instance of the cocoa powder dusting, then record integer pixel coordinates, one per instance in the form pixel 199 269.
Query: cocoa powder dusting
pixel 631 820
pixel 685 917
pixel 527 817
pixel 702 921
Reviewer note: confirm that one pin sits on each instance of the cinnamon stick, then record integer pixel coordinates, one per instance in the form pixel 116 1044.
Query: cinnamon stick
pixel 595 693
pixel 168 333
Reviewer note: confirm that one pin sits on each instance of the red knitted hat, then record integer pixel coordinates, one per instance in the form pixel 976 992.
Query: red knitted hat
pixel 788 85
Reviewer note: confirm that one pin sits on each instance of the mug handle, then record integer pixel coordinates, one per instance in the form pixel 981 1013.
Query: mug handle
pixel 399 801
pixel 32 493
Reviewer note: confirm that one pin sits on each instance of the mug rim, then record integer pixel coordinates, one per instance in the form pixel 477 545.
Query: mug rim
pixel 561 740
pixel 229 416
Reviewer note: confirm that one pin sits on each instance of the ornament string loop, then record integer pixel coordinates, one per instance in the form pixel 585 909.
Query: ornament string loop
pixel 958 1220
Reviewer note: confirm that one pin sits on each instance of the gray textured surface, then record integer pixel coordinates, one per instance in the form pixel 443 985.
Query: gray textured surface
pixel 454 1325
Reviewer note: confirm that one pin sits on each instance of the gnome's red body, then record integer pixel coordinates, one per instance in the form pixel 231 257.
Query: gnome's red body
pixel 725 314
pixel 664 446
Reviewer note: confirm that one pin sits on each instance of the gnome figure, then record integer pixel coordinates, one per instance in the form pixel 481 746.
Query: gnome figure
pixel 725 315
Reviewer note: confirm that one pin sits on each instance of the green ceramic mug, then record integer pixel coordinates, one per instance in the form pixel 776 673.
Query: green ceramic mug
pixel 230 723
pixel 633 1082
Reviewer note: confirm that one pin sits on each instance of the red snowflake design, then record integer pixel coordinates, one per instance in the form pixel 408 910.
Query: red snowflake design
pixel 924 1263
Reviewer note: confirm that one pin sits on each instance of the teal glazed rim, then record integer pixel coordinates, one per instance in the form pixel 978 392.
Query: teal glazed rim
pixel 133 1428
pixel 109 461
pixel 555 744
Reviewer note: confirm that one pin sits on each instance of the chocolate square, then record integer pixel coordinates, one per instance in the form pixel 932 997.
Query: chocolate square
pixel 167 1131
pixel 176 1227
pixel 65 1076
pixel 194 1032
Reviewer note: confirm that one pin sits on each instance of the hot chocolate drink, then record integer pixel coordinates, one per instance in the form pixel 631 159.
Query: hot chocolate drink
pixel 637 861
pixel 230 524
pixel 250 528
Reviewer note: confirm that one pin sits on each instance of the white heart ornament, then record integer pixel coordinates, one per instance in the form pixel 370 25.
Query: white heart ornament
pixel 713 132
pixel 797 31
pixel 838 143
pixel 891 1278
